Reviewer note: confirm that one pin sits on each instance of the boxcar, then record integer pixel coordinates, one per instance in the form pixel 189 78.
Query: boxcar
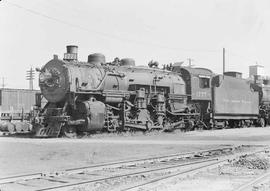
pixel 16 103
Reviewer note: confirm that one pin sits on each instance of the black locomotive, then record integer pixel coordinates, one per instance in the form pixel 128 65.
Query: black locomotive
pixel 99 96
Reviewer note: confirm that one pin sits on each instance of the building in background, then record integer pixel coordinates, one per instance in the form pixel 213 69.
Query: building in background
pixel 256 70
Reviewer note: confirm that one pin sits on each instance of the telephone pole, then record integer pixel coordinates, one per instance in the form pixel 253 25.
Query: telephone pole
pixel 3 82
pixel 30 75
pixel 190 60
pixel 223 53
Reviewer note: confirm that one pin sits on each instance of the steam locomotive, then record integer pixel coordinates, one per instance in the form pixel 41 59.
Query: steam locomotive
pixel 119 96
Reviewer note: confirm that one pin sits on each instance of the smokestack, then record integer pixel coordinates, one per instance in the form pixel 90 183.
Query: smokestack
pixel 72 49
pixel 72 53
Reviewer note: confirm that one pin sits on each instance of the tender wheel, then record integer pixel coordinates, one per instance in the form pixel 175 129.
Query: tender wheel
pixel 69 131
pixel 190 125
pixel 149 125
pixel 262 122
pixel 11 127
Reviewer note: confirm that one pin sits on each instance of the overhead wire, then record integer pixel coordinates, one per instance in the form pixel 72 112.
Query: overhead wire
pixel 107 35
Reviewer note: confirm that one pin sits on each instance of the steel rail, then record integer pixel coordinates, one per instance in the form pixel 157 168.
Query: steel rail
pixel 224 161
pixel 257 180
pixel 11 179
pixel 185 172
pixel 126 163
pixel 71 185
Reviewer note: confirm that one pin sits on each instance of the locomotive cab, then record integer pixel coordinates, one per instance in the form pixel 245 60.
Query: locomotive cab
pixel 198 89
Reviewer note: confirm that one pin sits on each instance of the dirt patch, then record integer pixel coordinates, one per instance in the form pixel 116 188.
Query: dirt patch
pixel 219 177
pixel 24 155
pixel 225 178
pixel 38 156
pixel 252 162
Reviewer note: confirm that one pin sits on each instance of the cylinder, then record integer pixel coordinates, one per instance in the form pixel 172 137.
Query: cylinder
pixel 93 113
pixel 97 58
pixel 127 62
pixel 72 49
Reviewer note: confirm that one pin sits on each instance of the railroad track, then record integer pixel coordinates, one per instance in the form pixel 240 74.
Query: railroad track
pixel 147 185
pixel 152 169
pixel 256 181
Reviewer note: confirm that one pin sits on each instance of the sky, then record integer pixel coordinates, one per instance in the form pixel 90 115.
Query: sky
pixel 167 31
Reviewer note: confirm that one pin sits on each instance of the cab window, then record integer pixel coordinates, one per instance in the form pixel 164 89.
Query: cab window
pixel 204 82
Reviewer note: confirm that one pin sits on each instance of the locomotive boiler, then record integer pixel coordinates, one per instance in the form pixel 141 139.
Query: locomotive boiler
pixel 99 96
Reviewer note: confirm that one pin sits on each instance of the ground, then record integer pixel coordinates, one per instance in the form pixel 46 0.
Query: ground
pixel 25 155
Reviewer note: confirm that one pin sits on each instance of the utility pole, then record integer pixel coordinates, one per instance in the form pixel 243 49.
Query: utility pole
pixel 190 62
pixel 3 82
pixel 223 60
pixel 30 75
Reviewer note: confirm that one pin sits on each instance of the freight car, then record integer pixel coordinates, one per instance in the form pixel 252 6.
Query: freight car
pixel 16 106
pixel 16 103
pixel 96 96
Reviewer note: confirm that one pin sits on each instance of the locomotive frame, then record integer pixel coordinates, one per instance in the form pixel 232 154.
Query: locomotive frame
pixel 96 96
